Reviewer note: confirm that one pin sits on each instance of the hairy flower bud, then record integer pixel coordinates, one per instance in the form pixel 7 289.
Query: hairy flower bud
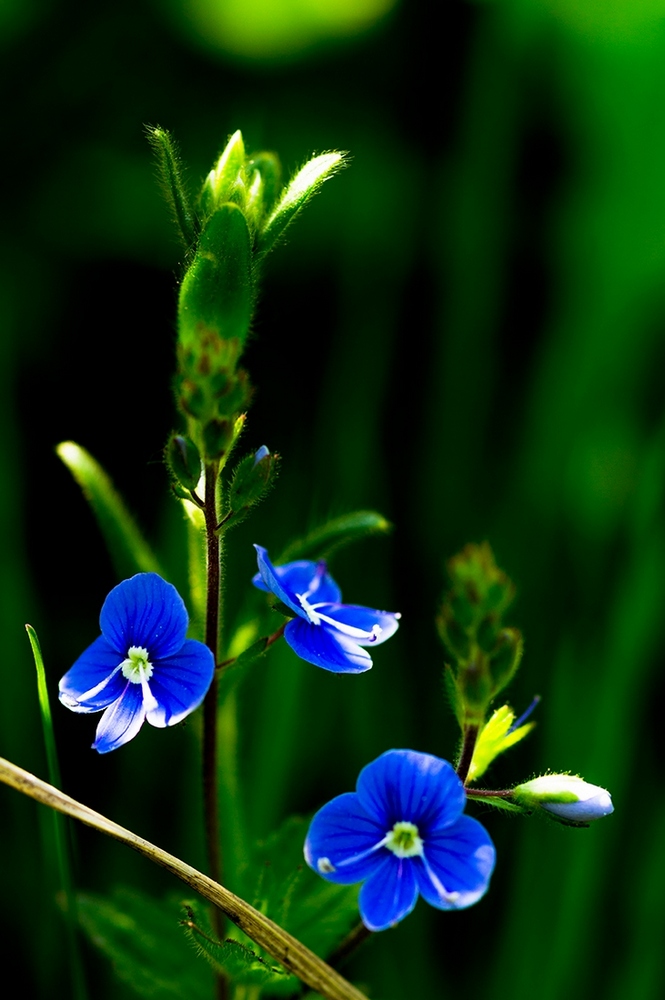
pixel 566 797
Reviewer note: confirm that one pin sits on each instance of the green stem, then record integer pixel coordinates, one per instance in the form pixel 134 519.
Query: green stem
pixel 284 948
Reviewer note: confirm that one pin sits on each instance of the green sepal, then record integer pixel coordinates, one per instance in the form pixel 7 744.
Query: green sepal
pixel 184 461
pixel 239 962
pixel 264 179
pixel 143 940
pixel 129 551
pixel 497 803
pixel 334 534
pixel 173 183
pixel 494 738
pixel 506 658
pixel 216 294
pixel 226 180
pixel 251 482
pixel 454 694
pixel 297 193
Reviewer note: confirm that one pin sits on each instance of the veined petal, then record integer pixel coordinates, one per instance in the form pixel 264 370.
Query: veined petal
pixel 121 721
pixel 375 626
pixel 145 611
pixel 271 582
pixel 94 681
pixel 344 844
pixel 179 683
pixel 389 894
pixel 404 785
pixel 325 647
pixel 303 577
pixel 460 860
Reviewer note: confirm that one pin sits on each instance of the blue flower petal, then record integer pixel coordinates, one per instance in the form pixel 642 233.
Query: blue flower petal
pixel 403 785
pixel 343 842
pixel 121 721
pixel 460 860
pixel 364 619
pixel 271 581
pixel 389 894
pixel 179 683
pixel 93 667
pixel 326 647
pixel 303 577
pixel 145 611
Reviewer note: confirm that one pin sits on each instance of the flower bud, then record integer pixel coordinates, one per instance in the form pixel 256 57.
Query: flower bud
pixel 566 797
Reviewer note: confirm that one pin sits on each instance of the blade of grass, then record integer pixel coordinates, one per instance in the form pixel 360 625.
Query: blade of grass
pixel 59 827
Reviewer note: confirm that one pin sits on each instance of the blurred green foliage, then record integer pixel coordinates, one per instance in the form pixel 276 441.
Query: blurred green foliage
pixel 479 305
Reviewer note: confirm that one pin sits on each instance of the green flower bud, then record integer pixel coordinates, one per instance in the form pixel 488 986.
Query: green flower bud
pixel 184 461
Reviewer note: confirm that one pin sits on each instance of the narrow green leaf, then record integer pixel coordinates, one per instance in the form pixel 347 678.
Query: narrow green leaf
pixel 322 541
pixel 142 937
pixel 128 549
pixel 298 191
pixel 497 803
pixel 173 183
pixel 59 824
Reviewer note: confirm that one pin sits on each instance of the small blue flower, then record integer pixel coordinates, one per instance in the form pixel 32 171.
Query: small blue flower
pixel 325 632
pixel 141 666
pixel 402 833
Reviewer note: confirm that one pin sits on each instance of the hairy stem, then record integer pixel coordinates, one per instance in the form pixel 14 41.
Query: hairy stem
pixel 468 746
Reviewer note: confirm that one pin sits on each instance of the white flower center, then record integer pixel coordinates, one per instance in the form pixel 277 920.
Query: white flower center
pixel 404 840
pixel 137 667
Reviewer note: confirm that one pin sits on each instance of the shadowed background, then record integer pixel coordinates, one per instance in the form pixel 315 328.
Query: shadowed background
pixel 464 331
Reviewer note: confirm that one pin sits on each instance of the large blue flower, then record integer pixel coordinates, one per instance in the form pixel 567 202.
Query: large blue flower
pixel 325 632
pixel 141 666
pixel 402 833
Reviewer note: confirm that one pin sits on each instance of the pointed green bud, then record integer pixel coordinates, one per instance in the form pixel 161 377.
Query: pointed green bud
pixel 506 658
pixel 173 184
pixel 216 295
pixel 226 180
pixel 565 797
pixel 495 737
pixel 478 581
pixel 184 461
pixel 299 190
pixel 264 173
pixel 253 478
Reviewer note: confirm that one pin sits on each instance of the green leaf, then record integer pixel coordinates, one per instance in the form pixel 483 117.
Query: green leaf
pixel 145 943
pixel 318 913
pixel 239 962
pixel 299 190
pixel 128 548
pixel 497 803
pixel 494 738
pixel 321 542
pixel 173 183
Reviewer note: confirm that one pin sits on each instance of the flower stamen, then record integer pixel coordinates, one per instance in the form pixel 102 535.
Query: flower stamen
pixel 404 840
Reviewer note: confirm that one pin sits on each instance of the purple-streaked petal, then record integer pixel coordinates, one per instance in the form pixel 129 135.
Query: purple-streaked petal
pixel 121 721
pixel 343 842
pixel 145 611
pixel 404 785
pixel 301 577
pixel 364 619
pixel 325 647
pixel 457 865
pixel 93 667
pixel 389 894
pixel 179 683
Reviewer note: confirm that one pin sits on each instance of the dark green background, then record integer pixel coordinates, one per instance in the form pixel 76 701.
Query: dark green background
pixel 464 331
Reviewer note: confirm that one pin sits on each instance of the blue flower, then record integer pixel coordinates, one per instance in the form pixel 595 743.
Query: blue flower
pixel 325 632
pixel 141 666
pixel 402 833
